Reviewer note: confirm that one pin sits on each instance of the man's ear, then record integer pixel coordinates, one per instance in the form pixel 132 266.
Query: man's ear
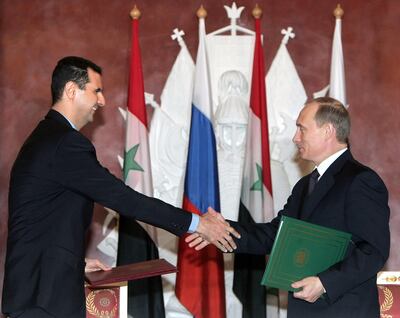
pixel 70 90
pixel 330 130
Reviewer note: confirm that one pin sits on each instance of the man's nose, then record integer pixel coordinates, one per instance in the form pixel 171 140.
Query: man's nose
pixel 296 137
pixel 101 101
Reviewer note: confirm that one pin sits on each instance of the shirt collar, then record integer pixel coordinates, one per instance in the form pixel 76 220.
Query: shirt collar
pixel 72 125
pixel 324 165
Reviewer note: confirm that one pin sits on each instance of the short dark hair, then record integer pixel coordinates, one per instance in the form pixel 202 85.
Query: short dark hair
pixel 70 68
pixel 332 111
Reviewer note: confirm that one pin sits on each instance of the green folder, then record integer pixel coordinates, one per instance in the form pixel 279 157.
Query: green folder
pixel 302 249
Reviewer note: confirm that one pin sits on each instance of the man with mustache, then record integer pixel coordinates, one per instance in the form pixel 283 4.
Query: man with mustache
pixel 54 182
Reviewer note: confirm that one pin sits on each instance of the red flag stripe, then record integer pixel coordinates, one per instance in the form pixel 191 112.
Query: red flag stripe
pixel 136 104
pixel 202 268
pixel 258 104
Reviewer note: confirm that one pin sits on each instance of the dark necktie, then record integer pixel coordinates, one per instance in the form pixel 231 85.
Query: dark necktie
pixel 313 181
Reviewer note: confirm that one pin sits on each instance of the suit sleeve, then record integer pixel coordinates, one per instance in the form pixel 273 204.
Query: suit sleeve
pixel 77 168
pixel 367 218
pixel 258 238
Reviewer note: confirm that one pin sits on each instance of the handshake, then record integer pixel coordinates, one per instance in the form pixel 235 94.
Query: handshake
pixel 213 229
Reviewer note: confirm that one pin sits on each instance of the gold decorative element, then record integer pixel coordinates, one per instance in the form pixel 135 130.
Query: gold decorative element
pixel 391 279
pixel 257 12
pixel 388 302
pixel 338 12
pixel 94 311
pixel 135 13
pixel 90 307
pixel 301 257
pixel 201 12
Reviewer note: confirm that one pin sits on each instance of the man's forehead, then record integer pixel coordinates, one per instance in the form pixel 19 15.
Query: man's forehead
pixel 307 113
pixel 312 106
pixel 92 72
pixel 309 109
pixel 94 77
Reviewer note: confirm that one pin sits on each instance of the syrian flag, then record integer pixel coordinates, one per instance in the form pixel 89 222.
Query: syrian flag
pixel 337 86
pixel 256 200
pixel 200 279
pixel 135 244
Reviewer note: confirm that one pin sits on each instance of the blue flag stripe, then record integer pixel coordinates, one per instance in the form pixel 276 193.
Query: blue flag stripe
pixel 201 181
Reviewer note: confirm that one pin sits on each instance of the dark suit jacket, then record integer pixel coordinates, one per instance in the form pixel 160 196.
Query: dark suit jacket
pixel 54 182
pixel 348 197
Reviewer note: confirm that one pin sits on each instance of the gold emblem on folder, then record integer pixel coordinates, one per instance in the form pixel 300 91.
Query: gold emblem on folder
pixel 301 257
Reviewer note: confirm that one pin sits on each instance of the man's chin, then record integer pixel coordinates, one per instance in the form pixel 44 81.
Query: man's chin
pixel 300 151
pixel 302 155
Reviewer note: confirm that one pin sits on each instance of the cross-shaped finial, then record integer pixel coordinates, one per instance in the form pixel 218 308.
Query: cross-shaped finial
pixel 178 35
pixel 287 34
pixel 149 100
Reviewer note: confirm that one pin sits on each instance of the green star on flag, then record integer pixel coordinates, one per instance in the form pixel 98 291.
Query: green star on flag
pixel 129 161
pixel 258 185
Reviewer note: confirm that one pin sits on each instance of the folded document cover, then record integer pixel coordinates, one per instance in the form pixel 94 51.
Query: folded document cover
pixel 302 249
pixel 130 272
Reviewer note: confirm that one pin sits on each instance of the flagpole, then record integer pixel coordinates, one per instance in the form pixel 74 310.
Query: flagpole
pixel 137 241
pixel 337 88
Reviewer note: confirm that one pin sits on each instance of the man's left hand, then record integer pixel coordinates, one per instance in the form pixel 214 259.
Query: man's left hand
pixel 312 289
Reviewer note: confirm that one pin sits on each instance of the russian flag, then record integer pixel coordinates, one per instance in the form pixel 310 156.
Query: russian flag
pixel 200 278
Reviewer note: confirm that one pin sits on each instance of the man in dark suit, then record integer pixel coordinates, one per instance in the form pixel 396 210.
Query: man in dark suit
pixel 55 180
pixel 344 195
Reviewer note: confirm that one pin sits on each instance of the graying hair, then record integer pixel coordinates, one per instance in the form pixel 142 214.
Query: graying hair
pixel 332 111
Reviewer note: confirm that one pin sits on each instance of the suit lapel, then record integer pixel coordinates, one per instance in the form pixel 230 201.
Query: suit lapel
pixel 310 202
pixel 323 186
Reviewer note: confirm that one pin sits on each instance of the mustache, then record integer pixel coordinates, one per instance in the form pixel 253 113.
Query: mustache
pixel 96 106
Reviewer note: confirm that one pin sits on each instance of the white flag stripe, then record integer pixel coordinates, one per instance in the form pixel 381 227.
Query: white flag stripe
pixel 337 83
pixel 258 203
pixel 137 135
pixel 201 91
pixel 141 181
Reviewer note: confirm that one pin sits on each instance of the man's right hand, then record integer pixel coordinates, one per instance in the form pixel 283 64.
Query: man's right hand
pixel 214 229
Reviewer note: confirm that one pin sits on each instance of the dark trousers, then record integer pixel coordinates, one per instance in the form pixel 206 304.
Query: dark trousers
pixel 31 313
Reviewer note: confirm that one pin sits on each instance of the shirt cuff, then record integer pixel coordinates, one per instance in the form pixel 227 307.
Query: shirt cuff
pixel 194 224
